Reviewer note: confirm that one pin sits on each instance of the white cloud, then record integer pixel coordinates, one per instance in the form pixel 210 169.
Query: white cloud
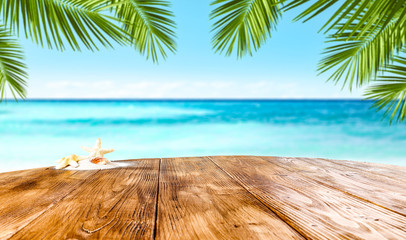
pixel 193 88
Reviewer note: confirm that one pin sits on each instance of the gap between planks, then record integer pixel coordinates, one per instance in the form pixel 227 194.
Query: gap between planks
pixel 256 176
pixel 156 201
pixel 159 171
pixel 198 200
pixel 369 167
pixel 330 184
pixel 281 216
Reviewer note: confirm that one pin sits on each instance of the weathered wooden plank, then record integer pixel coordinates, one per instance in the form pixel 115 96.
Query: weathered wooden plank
pixel 378 169
pixel 197 200
pixel 388 193
pixel 24 197
pixel 11 179
pixel 111 204
pixel 315 210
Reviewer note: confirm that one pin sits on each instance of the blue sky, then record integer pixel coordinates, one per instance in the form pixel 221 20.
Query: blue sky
pixel 285 67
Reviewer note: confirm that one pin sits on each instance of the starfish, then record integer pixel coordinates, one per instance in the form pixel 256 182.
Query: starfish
pixel 69 160
pixel 97 151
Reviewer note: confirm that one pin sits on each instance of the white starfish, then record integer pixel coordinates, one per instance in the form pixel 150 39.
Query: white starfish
pixel 69 160
pixel 97 151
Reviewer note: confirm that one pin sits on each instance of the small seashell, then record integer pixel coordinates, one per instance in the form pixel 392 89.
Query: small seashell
pixel 99 160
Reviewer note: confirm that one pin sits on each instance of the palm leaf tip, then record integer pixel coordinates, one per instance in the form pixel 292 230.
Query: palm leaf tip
pixel 389 93
pixel 12 68
pixel 150 25
pixel 357 54
pixel 61 23
pixel 243 25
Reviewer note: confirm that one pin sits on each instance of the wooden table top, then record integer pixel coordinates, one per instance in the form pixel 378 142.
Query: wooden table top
pixel 224 197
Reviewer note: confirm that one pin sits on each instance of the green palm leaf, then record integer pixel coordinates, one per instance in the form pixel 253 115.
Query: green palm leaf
pixel 55 22
pixel 390 91
pixel 357 57
pixel 149 24
pixel 243 24
pixel 366 14
pixel 12 68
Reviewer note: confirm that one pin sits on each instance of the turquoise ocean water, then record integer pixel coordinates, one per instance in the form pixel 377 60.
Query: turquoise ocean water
pixel 37 133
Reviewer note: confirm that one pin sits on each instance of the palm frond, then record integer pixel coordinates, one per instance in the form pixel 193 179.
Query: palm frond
pixel 357 57
pixel 12 69
pixel 390 91
pixel 375 13
pixel 55 22
pixel 243 24
pixel 149 24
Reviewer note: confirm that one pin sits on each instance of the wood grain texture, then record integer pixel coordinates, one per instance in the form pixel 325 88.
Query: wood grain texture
pixel 384 170
pixel 313 209
pixel 9 180
pixel 111 204
pixel 233 197
pixel 197 200
pixel 24 197
pixel 389 193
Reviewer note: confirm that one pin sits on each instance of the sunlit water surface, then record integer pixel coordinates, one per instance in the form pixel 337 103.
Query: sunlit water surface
pixel 37 133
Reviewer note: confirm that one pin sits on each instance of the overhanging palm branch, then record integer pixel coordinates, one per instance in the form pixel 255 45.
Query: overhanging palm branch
pixel 149 24
pixel 56 22
pixel 357 57
pixel 12 69
pixel 390 91
pixel 243 24
pixel 366 14
pixel 146 24
pixel 365 35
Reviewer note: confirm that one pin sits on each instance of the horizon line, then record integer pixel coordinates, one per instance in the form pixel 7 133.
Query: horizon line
pixel 184 99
